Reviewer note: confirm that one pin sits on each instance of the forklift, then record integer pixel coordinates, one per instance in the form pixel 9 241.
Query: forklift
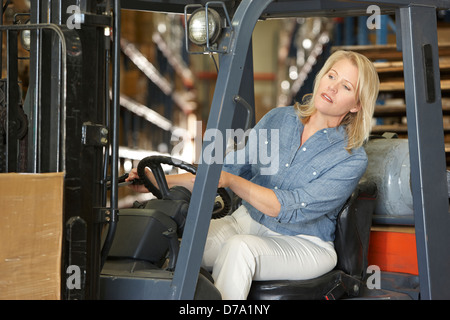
pixel 115 269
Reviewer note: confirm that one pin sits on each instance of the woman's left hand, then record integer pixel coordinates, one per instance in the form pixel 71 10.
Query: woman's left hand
pixel 225 179
pixel 263 199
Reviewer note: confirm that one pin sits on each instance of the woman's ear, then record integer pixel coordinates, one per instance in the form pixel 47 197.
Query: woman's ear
pixel 356 109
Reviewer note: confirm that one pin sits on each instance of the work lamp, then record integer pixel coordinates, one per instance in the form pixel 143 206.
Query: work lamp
pixel 25 39
pixel 202 32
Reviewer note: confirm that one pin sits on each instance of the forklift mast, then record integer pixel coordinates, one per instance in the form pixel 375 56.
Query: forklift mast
pixel 68 120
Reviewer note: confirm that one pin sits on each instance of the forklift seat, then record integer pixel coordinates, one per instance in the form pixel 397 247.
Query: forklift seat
pixel 351 245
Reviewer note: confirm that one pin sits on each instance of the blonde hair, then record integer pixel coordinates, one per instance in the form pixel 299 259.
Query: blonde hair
pixel 357 124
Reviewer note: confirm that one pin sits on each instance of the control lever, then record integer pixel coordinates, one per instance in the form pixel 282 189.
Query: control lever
pixel 122 182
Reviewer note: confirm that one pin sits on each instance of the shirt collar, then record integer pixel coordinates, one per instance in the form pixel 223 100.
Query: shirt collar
pixel 335 134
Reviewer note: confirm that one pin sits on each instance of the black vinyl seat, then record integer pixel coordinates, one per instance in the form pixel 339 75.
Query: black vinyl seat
pixel 351 244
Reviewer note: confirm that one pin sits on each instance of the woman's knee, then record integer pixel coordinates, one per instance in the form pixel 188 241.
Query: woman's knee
pixel 241 245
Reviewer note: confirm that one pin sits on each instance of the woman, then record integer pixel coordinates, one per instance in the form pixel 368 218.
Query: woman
pixel 285 227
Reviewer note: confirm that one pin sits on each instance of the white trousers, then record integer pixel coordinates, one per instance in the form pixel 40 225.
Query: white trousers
pixel 239 250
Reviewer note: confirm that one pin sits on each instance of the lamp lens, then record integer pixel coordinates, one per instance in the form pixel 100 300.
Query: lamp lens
pixel 197 27
pixel 25 38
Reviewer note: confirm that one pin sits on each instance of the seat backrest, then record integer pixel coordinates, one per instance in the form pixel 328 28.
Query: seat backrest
pixel 353 230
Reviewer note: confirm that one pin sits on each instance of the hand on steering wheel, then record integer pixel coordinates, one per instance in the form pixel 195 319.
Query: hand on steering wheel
pixel 163 192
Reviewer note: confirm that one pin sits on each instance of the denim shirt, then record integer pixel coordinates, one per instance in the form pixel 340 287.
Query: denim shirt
pixel 311 182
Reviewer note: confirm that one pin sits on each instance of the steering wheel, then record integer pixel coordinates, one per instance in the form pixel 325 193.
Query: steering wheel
pixel 221 208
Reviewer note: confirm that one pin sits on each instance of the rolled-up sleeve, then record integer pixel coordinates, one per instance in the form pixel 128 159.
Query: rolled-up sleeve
pixel 322 195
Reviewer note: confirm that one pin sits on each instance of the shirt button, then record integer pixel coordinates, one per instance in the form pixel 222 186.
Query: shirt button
pixel 303 204
pixel 275 187
pixel 287 165
pixel 314 173
pixel 304 149
pixel 266 142
pixel 324 131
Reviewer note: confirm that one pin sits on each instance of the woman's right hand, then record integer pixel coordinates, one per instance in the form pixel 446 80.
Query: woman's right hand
pixel 133 175
pixel 183 179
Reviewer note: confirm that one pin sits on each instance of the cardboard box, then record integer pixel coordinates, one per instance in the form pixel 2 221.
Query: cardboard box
pixel 31 219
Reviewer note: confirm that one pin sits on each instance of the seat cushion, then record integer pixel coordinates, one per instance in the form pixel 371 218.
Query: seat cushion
pixel 332 285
